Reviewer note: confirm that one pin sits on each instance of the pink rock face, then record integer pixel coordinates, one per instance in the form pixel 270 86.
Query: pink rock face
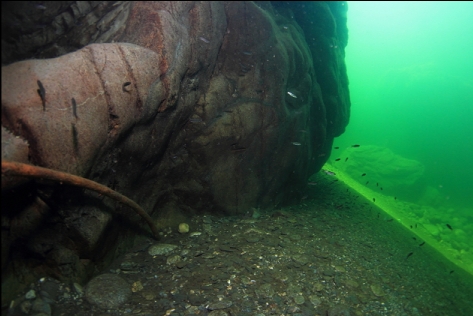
pixel 189 107
pixel 85 102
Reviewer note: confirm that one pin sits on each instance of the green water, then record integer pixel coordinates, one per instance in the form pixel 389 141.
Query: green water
pixel 410 68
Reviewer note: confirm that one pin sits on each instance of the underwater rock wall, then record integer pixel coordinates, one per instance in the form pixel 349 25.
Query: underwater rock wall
pixel 184 107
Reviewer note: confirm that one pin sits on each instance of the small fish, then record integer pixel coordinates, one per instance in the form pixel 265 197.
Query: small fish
pixel 312 183
pixel 416 226
pixel 395 198
pixel 355 145
pixel 203 39
pixel 376 183
pixel 374 200
pixel 42 94
pixel 126 84
pixel 390 220
pixel 364 174
pixel 75 138
pixel 74 107
pixel 451 271
pixel 449 227
pixel 367 182
pixel 410 226
pixel 292 94
pixel 409 254
pixel 247 53
pixel 381 188
pixel 346 159
pixel 337 159
pixel 422 244
pixel 40 7
pixel 414 238
pixel 296 143
pixel 336 147
pixel 195 120
pixel 330 173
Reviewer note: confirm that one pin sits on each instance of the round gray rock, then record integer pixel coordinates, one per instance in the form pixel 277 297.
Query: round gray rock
pixel 107 291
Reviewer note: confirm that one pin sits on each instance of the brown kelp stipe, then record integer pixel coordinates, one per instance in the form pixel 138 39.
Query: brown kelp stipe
pixel 10 168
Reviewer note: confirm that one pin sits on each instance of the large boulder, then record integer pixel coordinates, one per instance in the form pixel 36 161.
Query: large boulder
pixel 184 107
pixel 392 172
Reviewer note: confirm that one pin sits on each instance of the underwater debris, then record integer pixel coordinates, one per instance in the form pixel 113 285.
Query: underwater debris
pixel 42 94
pixel 11 168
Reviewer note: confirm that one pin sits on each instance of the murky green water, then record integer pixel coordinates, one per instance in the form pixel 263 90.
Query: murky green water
pixel 411 85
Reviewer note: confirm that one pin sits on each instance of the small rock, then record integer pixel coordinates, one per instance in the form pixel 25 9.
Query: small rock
pixel 299 299
pixel 107 291
pixel 183 228
pixel 265 290
pixel 136 286
pixel 218 313
pixel 31 294
pixel 352 283
pixel 25 307
pixel 301 259
pixel 315 300
pixel 181 264
pixel 161 249
pixel 377 290
pixel 172 260
pixel 40 306
pixel 78 289
pixel 339 310
pixel 129 266
pixel 220 305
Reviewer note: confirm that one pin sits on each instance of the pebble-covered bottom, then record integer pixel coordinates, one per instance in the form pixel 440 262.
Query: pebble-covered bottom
pixel 332 254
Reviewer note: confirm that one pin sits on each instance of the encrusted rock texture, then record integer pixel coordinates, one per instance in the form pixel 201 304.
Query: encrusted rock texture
pixel 185 107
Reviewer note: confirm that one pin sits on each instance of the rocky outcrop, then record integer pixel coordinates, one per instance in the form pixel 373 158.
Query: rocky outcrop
pixel 184 107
